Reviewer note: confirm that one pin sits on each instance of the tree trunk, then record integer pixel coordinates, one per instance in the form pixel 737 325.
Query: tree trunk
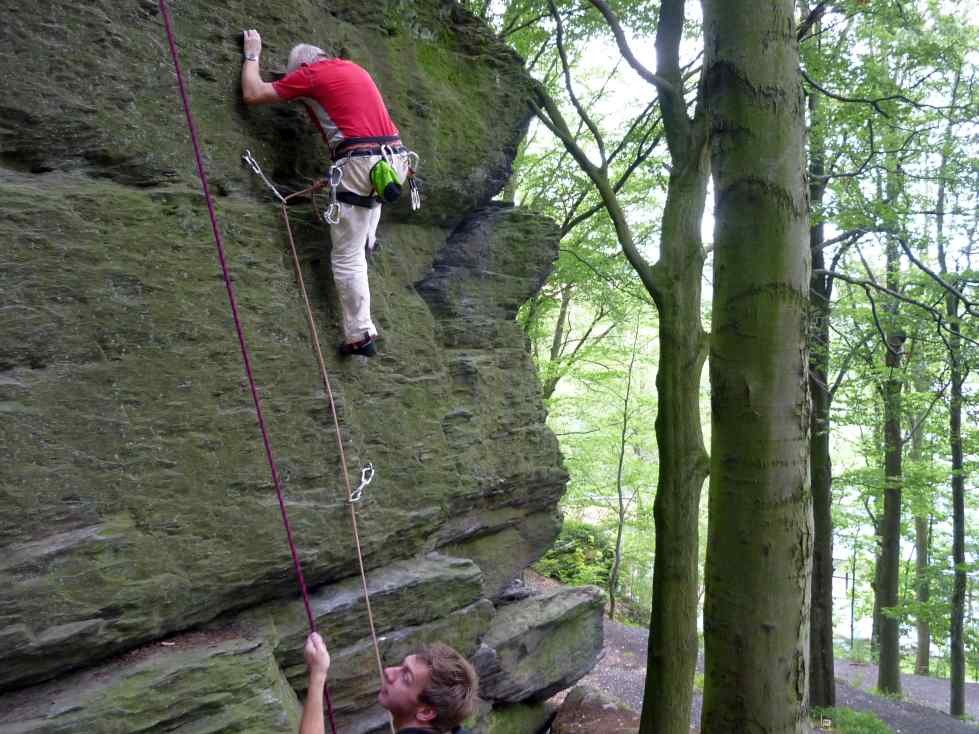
pixel 956 627
pixel 889 669
pixel 613 577
pixel 922 585
pixel 553 371
pixel 875 614
pixel 672 650
pixel 759 553
pixel 956 636
pixel 822 679
pixel 853 594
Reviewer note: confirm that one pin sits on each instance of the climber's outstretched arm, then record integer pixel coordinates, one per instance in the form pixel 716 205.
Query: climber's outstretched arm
pixel 253 90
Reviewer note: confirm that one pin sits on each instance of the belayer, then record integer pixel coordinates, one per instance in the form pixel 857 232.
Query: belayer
pixel 429 692
pixel 370 163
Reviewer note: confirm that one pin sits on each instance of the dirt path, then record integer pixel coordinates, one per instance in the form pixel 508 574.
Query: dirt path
pixel 621 672
pixel 919 689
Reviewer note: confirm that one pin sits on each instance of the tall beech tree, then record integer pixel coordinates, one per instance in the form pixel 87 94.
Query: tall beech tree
pixel 889 670
pixel 756 616
pixel 958 371
pixel 674 283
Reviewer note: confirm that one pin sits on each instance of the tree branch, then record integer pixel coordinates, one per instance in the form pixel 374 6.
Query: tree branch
pixel 875 103
pixel 970 307
pixel 551 117
pixel 661 84
pixel 814 16
pixel 868 285
pixel 559 39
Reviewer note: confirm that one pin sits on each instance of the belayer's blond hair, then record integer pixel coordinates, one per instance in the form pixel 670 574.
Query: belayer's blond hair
pixel 305 53
pixel 452 688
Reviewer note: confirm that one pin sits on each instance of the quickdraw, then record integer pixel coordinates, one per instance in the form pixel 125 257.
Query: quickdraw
pixel 366 477
pixel 416 197
pixel 332 213
pixel 250 161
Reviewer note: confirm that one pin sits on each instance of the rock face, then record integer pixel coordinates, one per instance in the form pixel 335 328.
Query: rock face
pixel 137 509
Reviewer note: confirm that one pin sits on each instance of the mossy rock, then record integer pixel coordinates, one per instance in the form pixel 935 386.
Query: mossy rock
pixel 540 645
pixel 137 504
pixel 194 683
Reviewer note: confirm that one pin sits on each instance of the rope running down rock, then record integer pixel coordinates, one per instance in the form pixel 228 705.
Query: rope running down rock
pixel 246 359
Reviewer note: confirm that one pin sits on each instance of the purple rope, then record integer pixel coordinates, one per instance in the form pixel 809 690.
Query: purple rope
pixel 219 245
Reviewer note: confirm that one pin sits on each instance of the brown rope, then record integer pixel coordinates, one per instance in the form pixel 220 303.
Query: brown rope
pixel 324 376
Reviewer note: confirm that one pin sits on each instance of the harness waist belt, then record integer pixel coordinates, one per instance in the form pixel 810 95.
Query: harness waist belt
pixel 349 197
pixel 379 139
pixel 373 151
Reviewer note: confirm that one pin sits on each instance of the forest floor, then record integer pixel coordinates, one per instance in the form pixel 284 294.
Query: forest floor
pixel 621 673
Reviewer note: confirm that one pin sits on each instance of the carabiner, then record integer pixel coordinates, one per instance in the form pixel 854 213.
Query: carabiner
pixel 332 214
pixel 250 161
pixel 366 477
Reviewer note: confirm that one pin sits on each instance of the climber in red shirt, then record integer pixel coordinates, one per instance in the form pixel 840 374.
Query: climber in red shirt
pixel 346 106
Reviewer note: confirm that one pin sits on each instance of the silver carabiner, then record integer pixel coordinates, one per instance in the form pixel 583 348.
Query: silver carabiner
pixel 366 477
pixel 332 213
pixel 336 175
pixel 250 161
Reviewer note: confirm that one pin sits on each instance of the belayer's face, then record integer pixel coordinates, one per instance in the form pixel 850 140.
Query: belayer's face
pixel 402 687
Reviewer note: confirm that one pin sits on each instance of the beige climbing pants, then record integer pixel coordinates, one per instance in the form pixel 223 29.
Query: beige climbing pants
pixel 352 236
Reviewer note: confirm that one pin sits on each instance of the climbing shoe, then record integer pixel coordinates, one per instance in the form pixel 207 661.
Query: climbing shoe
pixel 366 347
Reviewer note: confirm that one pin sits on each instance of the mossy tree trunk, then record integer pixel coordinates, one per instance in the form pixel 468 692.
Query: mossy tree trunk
pixel 822 679
pixel 957 378
pixel 956 631
pixel 759 553
pixel 922 546
pixel 672 650
pixel 674 282
pixel 922 588
pixel 889 561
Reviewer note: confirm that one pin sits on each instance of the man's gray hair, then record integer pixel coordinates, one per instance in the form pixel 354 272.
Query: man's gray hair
pixel 305 53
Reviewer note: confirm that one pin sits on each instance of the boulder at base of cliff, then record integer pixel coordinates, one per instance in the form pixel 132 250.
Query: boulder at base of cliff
pixel 540 645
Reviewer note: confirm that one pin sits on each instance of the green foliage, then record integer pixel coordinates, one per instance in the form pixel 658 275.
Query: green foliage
pixel 582 554
pixel 848 721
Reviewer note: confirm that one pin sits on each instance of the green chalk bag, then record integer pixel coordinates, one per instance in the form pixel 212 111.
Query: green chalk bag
pixel 386 182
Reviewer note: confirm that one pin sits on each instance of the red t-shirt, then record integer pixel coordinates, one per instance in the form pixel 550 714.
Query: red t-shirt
pixel 341 99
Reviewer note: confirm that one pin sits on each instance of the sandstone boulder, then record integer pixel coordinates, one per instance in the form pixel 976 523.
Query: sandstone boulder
pixel 540 645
